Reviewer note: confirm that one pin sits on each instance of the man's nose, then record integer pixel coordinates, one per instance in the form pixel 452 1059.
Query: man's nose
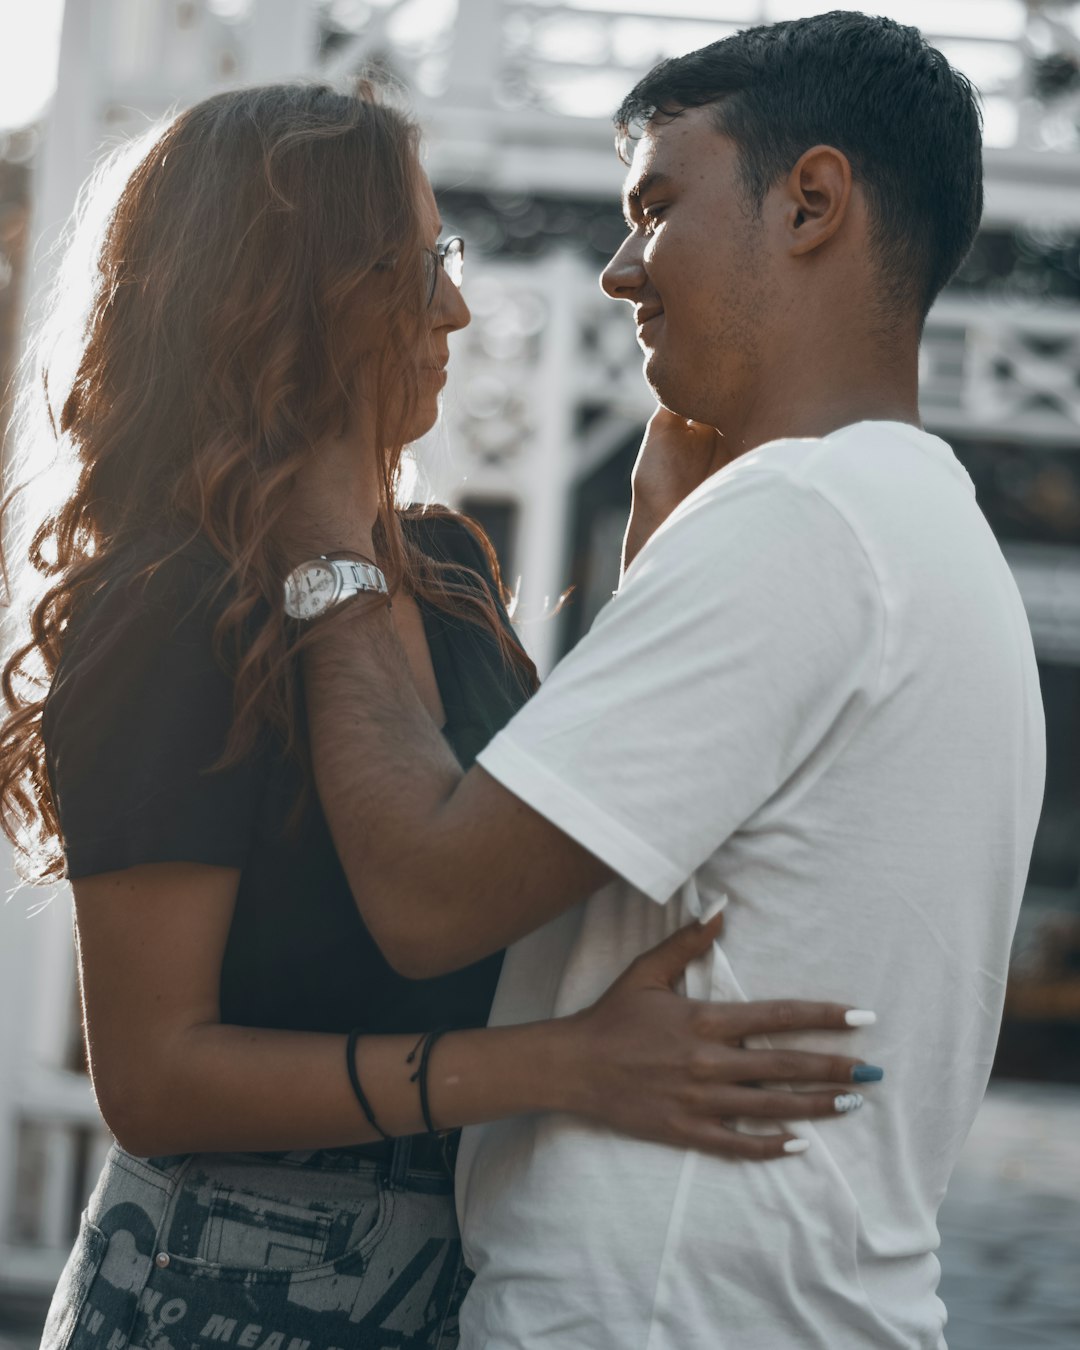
pixel 624 275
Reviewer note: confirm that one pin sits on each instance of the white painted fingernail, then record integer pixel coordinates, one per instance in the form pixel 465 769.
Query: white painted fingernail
pixel 796 1145
pixel 860 1017
pixel 847 1101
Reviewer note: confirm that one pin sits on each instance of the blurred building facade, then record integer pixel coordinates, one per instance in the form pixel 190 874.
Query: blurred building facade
pixel 546 404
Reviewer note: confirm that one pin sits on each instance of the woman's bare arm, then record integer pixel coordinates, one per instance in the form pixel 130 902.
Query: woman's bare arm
pixel 170 1078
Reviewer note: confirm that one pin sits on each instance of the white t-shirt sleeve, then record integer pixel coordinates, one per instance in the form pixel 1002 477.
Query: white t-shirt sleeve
pixel 745 641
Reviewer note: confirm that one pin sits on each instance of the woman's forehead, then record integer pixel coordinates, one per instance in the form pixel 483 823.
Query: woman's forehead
pixel 429 210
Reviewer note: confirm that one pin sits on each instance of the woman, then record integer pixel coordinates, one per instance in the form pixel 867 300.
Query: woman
pixel 269 282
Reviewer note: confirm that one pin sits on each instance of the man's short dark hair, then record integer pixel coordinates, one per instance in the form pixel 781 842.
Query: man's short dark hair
pixel 907 121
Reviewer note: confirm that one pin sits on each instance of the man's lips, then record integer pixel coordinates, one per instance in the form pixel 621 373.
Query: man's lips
pixel 645 318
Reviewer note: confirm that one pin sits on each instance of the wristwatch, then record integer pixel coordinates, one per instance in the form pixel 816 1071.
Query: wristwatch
pixel 314 588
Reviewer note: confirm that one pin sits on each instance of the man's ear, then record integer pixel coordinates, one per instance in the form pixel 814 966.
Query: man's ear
pixel 818 197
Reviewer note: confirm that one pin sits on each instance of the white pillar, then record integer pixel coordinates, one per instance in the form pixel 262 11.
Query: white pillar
pixel 71 137
pixel 543 552
pixel 31 946
pixel 281 41
pixel 475 58
pixel 50 1009
pixel 17 952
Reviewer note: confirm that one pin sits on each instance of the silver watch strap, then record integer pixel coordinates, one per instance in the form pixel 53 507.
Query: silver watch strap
pixel 360 576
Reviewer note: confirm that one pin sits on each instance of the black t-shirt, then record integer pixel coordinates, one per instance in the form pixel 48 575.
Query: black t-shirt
pixel 140 708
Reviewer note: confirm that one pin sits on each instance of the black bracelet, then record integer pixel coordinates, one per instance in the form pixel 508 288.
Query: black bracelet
pixel 354 1079
pixel 428 1042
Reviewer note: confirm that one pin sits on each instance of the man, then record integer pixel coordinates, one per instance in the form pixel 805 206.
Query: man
pixel 813 698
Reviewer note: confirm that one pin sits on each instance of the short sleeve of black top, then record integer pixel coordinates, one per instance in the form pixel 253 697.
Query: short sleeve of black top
pixel 139 712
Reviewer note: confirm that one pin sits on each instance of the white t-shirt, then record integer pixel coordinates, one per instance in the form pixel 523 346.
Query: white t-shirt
pixel 814 699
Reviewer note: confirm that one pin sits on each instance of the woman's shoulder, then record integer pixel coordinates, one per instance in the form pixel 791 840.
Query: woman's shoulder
pixel 145 594
pixel 143 617
pixel 450 537
pixel 139 713
pixel 185 575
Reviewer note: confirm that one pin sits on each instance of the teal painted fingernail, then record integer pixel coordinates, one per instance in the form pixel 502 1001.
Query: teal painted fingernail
pixel 867 1073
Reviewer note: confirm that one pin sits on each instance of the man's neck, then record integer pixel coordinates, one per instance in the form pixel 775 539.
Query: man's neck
pixel 812 423
pixel 810 392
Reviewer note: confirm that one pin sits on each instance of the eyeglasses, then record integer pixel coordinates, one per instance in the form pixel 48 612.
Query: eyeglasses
pixel 450 256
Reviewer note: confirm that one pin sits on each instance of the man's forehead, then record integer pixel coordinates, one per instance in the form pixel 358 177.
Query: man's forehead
pixel 646 149
pixel 670 149
pixel 646 171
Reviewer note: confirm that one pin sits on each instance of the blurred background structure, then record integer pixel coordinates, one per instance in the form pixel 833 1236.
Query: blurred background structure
pixel 546 404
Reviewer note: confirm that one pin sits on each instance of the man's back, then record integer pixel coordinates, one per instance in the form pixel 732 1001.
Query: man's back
pixel 815 695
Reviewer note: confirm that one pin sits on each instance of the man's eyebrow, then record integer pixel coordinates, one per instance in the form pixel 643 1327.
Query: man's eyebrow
pixel 634 194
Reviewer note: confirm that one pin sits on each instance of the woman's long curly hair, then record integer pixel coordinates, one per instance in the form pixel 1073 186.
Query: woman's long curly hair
pixel 233 306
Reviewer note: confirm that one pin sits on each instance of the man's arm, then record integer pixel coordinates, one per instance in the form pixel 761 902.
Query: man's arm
pixel 449 868
pixel 446 868
pixel 747 634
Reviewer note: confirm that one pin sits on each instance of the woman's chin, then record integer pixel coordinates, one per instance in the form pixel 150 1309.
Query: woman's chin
pixel 427 415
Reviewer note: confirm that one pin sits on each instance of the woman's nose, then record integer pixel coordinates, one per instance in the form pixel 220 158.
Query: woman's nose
pixel 453 313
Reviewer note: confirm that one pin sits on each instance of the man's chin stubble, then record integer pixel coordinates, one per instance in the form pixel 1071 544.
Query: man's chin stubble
pixel 666 391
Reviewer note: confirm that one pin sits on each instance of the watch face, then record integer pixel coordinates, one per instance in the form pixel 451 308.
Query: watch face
pixel 310 590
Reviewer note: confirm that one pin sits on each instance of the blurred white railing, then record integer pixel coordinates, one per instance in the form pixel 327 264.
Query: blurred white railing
pixel 60 1144
pixel 52 1139
pixel 1003 370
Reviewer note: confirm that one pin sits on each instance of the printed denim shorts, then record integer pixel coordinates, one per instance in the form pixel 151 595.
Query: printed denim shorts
pixel 300 1251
